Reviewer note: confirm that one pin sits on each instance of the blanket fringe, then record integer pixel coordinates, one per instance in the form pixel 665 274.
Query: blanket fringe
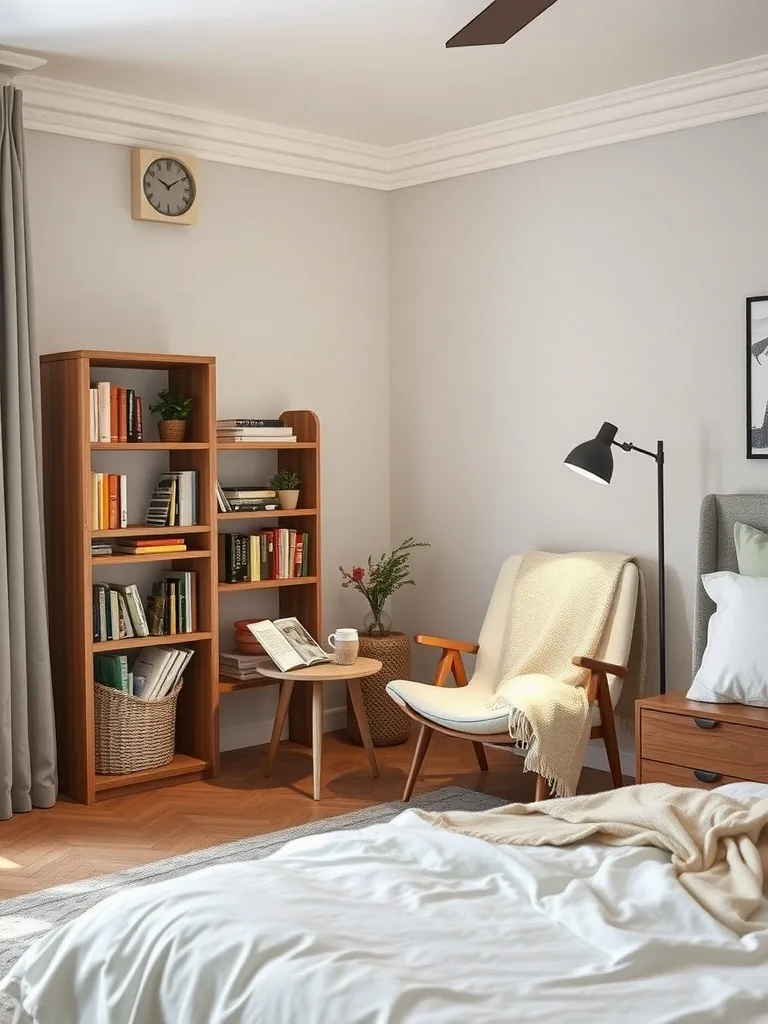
pixel 521 732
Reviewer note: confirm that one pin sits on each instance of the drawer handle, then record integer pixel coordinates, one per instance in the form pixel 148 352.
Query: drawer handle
pixel 706 776
pixel 706 723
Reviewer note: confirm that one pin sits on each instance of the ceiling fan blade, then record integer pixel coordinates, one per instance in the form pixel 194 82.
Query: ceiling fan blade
pixel 499 22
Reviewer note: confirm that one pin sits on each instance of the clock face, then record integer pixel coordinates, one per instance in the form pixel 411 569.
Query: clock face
pixel 169 187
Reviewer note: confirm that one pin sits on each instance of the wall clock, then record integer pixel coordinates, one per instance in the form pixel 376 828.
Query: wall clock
pixel 163 187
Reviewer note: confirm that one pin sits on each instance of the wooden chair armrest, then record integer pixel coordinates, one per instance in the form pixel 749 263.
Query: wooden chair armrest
pixel 600 666
pixel 446 644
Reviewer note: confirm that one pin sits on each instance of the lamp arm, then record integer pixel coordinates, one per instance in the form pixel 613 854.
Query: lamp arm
pixel 627 446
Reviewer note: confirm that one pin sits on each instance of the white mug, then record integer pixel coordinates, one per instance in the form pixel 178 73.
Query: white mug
pixel 345 644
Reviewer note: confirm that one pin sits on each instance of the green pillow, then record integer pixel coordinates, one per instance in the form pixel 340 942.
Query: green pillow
pixel 751 550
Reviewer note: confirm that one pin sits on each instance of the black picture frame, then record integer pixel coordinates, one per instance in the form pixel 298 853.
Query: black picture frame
pixel 757 377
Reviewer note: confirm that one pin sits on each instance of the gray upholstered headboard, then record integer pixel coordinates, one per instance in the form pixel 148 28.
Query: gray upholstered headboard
pixel 717 551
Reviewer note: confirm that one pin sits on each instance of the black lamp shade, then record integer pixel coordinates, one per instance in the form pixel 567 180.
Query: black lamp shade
pixel 594 459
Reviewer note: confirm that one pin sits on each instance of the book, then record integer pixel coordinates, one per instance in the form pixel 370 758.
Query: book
pixel 160 502
pixel 122 503
pixel 103 392
pixel 288 644
pixel 130 414
pixel 122 415
pixel 184 600
pixel 154 542
pixel 139 421
pixel 114 418
pixel 132 598
pixel 221 499
pixel 113 498
pixel 111 670
pixel 249 492
pixel 161 669
pixel 94 414
pixel 240 436
pixel 130 549
pixel 254 432
pixel 155 610
pixel 248 423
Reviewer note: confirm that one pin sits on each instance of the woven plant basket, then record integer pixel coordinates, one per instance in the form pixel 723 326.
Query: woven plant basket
pixel 389 725
pixel 172 431
pixel 133 735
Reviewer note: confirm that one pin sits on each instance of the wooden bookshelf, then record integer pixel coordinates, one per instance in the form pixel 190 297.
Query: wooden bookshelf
pixel 67 452
pixel 299 596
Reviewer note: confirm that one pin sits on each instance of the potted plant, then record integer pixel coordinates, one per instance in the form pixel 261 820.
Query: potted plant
pixel 173 411
pixel 379 581
pixel 287 484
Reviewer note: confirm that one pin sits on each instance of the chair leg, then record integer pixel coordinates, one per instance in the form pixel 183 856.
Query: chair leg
pixel 609 733
pixel 425 737
pixel 542 789
pixel 482 760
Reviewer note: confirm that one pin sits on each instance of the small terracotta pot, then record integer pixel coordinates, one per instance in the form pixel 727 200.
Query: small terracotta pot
pixel 172 431
pixel 245 641
pixel 288 499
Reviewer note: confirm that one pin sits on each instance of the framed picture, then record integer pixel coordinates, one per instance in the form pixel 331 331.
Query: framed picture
pixel 757 377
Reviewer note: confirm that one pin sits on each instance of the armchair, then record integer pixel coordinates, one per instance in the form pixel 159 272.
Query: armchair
pixel 461 710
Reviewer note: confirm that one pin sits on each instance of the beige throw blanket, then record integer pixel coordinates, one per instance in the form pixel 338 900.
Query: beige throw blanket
pixel 719 844
pixel 558 609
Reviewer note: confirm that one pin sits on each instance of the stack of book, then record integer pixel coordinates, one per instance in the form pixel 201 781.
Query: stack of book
pixel 150 545
pixel 239 667
pixel 174 500
pixel 100 548
pixel 118 612
pixel 116 414
pixel 109 501
pixel 253 430
pixel 278 554
pixel 251 498
pixel 154 673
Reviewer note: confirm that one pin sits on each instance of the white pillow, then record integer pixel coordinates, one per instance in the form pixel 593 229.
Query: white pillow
pixel 735 664
pixel 756 790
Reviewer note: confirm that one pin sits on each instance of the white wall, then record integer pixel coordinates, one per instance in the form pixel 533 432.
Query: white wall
pixel 284 280
pixel 531 303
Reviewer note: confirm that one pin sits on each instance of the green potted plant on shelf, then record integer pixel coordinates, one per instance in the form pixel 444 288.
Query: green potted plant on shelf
pixel 174 411
pixel 379 581
pixel 287 484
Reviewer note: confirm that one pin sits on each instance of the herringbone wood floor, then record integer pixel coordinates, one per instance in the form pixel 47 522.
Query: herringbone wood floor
pixel 71 842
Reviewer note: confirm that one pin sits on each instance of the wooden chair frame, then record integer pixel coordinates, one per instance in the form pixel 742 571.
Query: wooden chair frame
pixel 450 663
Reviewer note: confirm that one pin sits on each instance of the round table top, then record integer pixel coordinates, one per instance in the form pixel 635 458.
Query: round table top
pixel 327 672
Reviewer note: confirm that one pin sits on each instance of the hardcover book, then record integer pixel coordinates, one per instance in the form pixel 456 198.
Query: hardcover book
pixel 288 644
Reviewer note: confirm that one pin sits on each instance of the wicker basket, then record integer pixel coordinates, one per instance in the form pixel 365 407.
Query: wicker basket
pixel 133 735
pixel 389 725
pixel 172 431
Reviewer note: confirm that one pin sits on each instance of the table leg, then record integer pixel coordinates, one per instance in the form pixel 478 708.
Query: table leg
pixel 286 689
pixel 317 737
pixel 356 696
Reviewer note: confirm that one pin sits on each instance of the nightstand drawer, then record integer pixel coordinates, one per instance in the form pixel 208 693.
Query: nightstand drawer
pixel 676 775
pixel 740 751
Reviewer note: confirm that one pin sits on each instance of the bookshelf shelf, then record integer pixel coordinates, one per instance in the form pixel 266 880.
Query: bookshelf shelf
pixel 167 640
pixel 150 531
pixel 300 581
pixel 231 517
pixel 265 446
pixel 156 556
pixel 148 446
pixel 182 764
pixel 68 454
pixel 233 685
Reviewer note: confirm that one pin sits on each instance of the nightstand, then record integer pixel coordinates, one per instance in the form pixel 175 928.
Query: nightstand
pixel 688 743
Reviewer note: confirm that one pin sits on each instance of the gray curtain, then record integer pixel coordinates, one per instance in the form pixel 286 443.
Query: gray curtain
pixel 27 736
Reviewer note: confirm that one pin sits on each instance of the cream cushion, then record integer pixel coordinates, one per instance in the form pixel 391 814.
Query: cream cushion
pixel 464 708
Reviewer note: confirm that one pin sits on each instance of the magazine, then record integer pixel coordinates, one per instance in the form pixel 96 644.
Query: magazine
pixel 288 644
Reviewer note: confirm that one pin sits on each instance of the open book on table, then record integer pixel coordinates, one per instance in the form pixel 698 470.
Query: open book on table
pixel 288 644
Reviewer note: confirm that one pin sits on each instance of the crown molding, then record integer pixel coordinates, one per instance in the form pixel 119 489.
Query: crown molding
pixel 686 101
pixel 64 108
pixel 13 64
pixel 701 97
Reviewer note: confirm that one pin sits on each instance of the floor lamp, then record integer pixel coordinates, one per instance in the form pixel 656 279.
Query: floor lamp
pixel 594 460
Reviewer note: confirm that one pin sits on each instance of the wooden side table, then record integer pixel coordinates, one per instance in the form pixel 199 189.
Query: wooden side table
pixel 318 675
pixel 690 743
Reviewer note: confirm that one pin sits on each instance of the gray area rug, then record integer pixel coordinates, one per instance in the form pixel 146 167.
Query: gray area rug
pixel 24 919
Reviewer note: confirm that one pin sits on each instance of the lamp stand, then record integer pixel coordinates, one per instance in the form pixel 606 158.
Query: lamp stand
pixel 658 457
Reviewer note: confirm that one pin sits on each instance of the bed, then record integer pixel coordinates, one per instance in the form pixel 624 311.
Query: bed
pixel 403 922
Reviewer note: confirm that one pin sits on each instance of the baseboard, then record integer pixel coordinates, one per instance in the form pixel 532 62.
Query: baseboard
pixel 255 733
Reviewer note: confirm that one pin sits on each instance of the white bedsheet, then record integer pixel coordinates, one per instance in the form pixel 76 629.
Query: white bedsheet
pixel 402 922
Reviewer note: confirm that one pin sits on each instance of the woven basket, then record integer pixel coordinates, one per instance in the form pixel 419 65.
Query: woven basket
pixel 389 725
pixel 133 735
pixel 172 431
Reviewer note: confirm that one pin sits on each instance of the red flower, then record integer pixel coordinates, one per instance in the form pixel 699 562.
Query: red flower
pixel 358 574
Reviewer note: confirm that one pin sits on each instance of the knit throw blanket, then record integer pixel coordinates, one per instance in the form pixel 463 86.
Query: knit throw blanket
pixel 719 844
pixel 558 609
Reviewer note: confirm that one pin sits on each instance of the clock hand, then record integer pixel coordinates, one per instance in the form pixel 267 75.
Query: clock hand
pixel 163 183
pixel 169 187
